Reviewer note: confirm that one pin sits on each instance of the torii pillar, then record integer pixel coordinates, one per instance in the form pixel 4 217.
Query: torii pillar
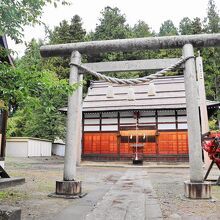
pixel 69 186
pixel 195 188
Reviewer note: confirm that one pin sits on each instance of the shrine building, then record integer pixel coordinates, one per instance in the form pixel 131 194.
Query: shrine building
pixel 148 118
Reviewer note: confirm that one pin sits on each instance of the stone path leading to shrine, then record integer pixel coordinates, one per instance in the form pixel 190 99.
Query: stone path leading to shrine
pixel 131 197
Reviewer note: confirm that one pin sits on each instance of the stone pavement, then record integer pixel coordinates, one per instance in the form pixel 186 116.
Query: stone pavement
pixel 131 197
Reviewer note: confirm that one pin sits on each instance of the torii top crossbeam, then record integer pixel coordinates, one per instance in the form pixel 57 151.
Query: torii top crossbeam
pixel 126 45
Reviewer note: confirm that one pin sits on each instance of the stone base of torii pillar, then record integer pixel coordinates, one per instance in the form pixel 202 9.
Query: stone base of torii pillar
pixel 197 190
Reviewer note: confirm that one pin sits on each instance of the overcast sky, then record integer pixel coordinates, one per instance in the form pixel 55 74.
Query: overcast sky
pixel 153 12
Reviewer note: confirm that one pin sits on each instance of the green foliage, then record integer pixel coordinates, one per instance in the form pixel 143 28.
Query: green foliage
pixel 36 111
pixel 211 56
pixel 213 124
pixel 66 32
pixel 33 96
pixel 187 26
pixel 213 19
pixel 112 25
pixel 32 60
pixel 168 29
pixel 141 29
pixel 16 14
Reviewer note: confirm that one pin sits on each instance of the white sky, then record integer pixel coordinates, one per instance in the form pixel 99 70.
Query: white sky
pixel 153 12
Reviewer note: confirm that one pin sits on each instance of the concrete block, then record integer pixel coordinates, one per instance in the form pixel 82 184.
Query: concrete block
pixel 10 213
pixel 10 182
pixel 197 190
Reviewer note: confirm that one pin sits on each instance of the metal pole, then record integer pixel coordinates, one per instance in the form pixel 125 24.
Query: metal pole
pixel 79 123
pixel 72 119
pixel 126 45
pixel 194 135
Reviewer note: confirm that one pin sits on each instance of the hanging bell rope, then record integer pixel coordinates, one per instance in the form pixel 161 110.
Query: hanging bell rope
pixel 144 79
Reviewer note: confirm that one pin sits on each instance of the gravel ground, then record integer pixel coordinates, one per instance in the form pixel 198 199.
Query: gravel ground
pixel 168 184
pixel 40 177
pixel 41 174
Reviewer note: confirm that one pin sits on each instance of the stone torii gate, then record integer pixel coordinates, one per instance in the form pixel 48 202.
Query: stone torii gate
pixel 195 187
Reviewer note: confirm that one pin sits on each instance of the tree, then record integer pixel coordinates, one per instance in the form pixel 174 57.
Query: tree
pixel 66 32
pixel 212 55
pixel 141 29
pixel 33 99
pixel 32 59
pixel 213 19
pixel 197 27
pixel 112 25
pixel 187 26
pixel 168 29
pixel 16 14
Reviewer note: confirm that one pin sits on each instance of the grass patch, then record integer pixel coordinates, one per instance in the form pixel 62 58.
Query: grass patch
pixel 12 196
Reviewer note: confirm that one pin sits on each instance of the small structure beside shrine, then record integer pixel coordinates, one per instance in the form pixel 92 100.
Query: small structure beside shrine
pixel 28 147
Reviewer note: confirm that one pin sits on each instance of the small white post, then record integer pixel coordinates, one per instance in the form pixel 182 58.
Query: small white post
pixel 194 134
pixel 72 121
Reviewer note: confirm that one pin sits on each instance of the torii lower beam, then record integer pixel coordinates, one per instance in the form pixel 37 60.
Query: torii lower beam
pixel 199 189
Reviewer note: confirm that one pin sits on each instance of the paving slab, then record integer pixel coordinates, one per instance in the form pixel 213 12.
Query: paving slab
pixel 132 197
pixel 80 207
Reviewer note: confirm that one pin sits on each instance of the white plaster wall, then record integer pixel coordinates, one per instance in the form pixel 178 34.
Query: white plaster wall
pixel 182 126
pixel 167 119
pixel 91 121
pixel 91 128
pixel 109 121
pixel 128 120
pixel 147 120
pixel 166 126
pixel 109 127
